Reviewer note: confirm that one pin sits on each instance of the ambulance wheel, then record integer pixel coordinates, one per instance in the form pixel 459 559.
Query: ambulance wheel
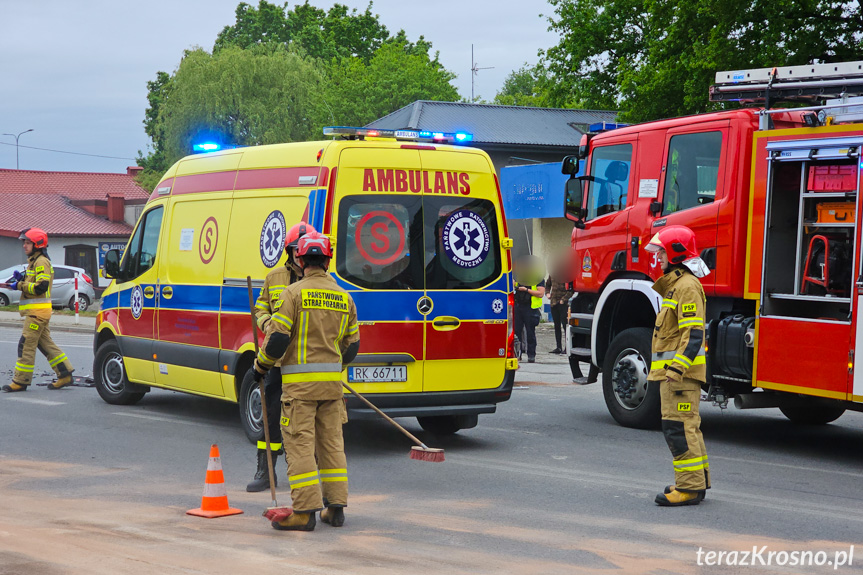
pixel 447 424
pixel 811 415
pixel 251 417
pixel 109 373
pixel 629 397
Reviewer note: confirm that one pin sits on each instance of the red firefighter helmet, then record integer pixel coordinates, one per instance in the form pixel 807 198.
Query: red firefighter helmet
pixel 35 235
pixel 296 232
pixel 677 241
pixel 314 244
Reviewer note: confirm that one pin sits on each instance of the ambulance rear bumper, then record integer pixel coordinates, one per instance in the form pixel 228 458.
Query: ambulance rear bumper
pixel 470 402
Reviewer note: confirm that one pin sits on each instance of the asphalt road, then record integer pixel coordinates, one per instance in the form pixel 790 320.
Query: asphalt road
pixel 549 484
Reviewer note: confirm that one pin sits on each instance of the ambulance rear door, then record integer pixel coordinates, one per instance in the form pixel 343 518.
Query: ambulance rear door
pixel 379 259
pixel 466 328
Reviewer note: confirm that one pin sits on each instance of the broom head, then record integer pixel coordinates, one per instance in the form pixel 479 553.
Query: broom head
pixel 427 454
pixel 278 513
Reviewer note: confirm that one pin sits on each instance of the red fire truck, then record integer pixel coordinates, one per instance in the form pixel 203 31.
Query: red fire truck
pixel 772 196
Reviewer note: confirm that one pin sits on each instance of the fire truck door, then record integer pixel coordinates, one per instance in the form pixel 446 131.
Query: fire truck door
pixel 691 192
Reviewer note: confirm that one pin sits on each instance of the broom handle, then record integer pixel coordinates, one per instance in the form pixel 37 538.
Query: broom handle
pixel 263 395
pixel 385 416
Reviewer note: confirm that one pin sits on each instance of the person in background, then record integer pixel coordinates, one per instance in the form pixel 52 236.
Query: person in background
pixel 559 293
pixel 529 290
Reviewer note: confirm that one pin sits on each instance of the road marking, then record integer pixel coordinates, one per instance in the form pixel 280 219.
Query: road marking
pixel 788 466
pixel 512 430
pixel 35 401
pixel 159 418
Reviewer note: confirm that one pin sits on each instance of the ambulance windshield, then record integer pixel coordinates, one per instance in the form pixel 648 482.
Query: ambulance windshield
pixel 415 242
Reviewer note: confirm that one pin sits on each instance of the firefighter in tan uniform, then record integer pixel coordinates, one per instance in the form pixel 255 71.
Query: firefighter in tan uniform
pixel 315 332
pixel 35 307
pixel 678 362
pixel 267 303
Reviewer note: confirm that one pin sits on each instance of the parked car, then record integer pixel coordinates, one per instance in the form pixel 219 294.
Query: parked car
pixel 62 292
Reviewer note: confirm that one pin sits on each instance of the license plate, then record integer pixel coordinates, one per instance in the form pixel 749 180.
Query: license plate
pixel 378 373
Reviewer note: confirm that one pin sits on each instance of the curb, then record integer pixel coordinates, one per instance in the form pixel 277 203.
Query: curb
pixel 58 327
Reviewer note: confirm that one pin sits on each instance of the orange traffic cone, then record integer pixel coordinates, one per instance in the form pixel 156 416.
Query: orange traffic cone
pixel 214 503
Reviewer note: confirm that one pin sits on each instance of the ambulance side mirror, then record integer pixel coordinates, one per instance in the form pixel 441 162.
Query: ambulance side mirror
pixel 112 264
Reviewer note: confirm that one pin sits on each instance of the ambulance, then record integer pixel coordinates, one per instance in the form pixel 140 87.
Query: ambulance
pixel 420 241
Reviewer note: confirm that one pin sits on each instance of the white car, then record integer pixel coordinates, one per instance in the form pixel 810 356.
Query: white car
pixel 62 292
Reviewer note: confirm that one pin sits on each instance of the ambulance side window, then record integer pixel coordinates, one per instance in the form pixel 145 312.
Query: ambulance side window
pixel 379 243
pixel 461 243
pixel 140 255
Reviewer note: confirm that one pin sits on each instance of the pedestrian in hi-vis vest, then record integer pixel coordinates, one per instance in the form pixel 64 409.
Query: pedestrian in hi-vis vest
pixel 35 307
pixel 678 362
pixel 268 302
pixel 315 333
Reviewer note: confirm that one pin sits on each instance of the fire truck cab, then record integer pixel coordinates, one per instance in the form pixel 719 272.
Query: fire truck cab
pixel 771 195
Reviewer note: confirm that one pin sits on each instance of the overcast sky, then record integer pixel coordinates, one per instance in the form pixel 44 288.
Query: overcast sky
pixel 76 71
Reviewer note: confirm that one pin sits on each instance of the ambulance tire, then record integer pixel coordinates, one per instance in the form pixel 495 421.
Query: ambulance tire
pixel 811 415
pixel 442 425
pixel 629 397
pixel 251 417
pixel 109 374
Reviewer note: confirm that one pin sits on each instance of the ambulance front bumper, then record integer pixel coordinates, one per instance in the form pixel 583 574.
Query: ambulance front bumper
pixel 430 404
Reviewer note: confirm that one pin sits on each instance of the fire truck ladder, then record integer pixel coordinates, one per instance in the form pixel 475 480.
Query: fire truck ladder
pixel 810 84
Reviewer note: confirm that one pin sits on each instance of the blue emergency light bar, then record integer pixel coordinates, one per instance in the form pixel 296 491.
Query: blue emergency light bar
pixel 605 127
pixel 407 135
pixel 206 147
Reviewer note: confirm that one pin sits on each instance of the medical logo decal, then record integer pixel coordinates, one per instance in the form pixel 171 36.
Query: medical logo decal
pixel 466 239
pixel 136 302
pixel 497 305
pixel 273 239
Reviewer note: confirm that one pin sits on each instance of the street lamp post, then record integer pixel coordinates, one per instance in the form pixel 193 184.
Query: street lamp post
pixel 16 144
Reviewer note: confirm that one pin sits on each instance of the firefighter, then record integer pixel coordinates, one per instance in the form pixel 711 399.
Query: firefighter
pixel 315 332
pixel 529 291
pixel 267 303
pixel 35 307
pixel 678 362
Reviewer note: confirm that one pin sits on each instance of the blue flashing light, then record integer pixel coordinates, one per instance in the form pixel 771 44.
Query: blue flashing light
pixel 605 127
pixel 463 137
pixel 206 147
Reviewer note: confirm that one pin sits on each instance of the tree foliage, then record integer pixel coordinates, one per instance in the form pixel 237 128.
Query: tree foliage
pixel 656 58
pixel 527 86
pixel 280 75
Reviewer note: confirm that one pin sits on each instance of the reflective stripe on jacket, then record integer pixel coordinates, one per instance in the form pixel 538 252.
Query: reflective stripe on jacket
pixel 39 271
pixel 535 302
pixel 678 336
pixel 269 299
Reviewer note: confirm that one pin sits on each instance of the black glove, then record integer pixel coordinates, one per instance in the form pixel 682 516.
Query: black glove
pixel 257 374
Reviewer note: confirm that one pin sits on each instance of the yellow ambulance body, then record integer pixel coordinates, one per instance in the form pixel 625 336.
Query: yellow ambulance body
pixel 420 243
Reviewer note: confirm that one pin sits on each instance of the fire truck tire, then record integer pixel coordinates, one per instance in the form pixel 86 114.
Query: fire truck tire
pixel 629 397
pixel 109 374
pixel 251 417
pixel 811 415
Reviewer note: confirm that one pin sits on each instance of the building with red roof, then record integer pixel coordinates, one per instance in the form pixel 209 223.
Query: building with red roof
pixel 84 214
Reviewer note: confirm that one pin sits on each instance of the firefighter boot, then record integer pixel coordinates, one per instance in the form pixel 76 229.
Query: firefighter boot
pixel 670 488
pixel 677 498
pixel 61 382
pixel 14 387
pixel 333 515
pixel 261 481
pixel 296 522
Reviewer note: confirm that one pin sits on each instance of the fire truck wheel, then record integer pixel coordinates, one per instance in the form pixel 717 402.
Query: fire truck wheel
pixel 811 414
pixel 631 400
pixel 109 373
pixel 251 416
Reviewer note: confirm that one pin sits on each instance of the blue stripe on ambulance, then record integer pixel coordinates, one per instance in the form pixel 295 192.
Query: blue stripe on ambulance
pixel 317 206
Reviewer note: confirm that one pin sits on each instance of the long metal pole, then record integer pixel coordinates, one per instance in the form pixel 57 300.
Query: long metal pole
pixel 17 165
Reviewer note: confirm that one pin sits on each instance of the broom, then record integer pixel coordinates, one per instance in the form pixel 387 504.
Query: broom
pixel 274 513
pixel 420 451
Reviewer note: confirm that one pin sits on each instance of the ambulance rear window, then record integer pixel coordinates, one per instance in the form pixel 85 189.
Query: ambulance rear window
pixel 417 242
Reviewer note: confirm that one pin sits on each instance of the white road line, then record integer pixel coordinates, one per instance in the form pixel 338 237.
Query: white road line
pixel 160 418
pixel 787 466
pixel 34 401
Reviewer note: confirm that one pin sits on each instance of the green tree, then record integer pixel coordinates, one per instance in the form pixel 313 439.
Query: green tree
pixel 263 95
pixel 527 86
pixel 656 58
pixel 397 75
